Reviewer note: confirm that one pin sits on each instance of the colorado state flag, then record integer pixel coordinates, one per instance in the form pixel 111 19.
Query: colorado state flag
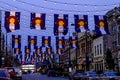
pixel 49 50
pixel 16 41
pixel 32 41
pixel 60 42
pixel 59 51
pixel 46 41
pixel 37 21
pixel 101 26
pixel 81 23
pixel 12 21
pixel 60 24
pixel 73 42
pixel 17 50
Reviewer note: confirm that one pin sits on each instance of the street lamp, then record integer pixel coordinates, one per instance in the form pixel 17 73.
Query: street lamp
pixel 87 55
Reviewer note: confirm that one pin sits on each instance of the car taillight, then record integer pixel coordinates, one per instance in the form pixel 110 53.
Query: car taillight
pixel 75 73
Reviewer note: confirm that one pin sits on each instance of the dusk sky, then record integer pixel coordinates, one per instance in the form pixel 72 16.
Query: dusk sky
pixel 51 7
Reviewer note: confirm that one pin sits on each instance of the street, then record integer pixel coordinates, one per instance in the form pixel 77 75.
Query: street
pixel 38 76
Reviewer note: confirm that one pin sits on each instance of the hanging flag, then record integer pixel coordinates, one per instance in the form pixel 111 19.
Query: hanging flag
pixel 46 57
pixel 49 50
pixel 17 50
pixel 19 56
pixel 37 21
pixel 60 42
pixel 52 55
pixel 81 23
pixel 35 55
pixel 73 42
pixel 16 41
pixel 27 49
pixel 46 41
pixel 43 56
pixel 43 49
pixel 32 41
pixel 27 56
pixel 40 58
pixel 59 51
pixel 101 25
pixel 37 49
pixel 12 21
pixel 60 24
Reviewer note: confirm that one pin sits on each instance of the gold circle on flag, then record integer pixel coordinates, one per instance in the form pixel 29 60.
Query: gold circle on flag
pixel 46 41
pixel 27 50
pixel 73 41
pixel 32 41
pixel 27 54
pixel 59 49
pixel 38 49
pixel 48 49
pixel 81 22
pixel 17 49
pixel 101 23
pixel 12 20
pixel 60 22
pixel 60 41
pixel 16 40
pixel 37 21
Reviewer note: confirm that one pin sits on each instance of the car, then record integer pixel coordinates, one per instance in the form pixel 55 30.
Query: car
pixel 76 75
pixel 11 71
pixel 18 73
pixel 111 75
pixel 14 73
pixel 90 75
pixel 4 75
pixel 51 72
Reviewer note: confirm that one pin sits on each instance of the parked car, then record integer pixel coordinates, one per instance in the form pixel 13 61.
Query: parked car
pixel 51 72
pixel 90 75
pixel 18 73
pixel 76 75
pixel 4 75
pixel 14 75
pixel 11 71
pixel 111 75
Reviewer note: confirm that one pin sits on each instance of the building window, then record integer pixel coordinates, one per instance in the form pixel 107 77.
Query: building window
pixel 100 49
pixel 114 29
pixel 114 45
pixel 118 28
pixel 97 49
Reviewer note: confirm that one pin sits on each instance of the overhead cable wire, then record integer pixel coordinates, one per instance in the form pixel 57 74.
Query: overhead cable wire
pixel 55 8
pixel 78 4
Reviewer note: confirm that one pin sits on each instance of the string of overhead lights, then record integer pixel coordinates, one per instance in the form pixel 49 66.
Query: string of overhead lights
pixel 60 10
pixel 25 16
pixel 18 8
pixel 78 4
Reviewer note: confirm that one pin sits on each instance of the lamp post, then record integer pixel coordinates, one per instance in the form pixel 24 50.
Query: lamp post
pixel 77 48
pixel 70 69
pixel 86 53
pixel 0 37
